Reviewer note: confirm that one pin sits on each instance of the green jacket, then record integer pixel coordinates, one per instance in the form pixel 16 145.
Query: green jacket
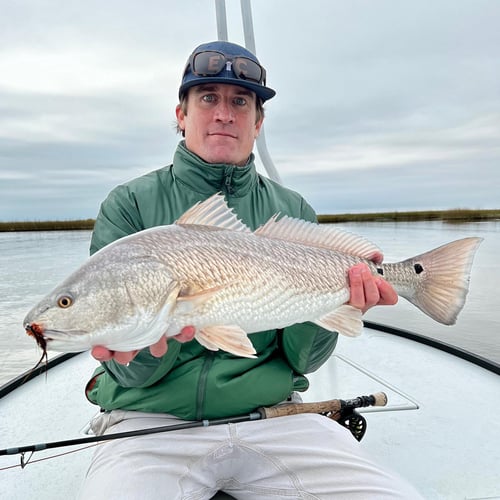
pixel 190 381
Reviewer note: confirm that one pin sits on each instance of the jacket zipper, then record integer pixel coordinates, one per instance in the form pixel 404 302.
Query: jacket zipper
pixel 202 383
pixel 228 181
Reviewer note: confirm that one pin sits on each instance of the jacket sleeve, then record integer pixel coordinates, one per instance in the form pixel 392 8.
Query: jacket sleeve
pixel 307 346
pixel 119 217
pixel 145 369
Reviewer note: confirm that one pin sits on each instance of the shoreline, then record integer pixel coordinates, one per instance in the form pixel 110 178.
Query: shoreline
pixel 451 216
pixel 65 225
pixel 456 215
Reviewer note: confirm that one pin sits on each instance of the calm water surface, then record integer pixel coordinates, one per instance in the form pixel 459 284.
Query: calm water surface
pixel 32 263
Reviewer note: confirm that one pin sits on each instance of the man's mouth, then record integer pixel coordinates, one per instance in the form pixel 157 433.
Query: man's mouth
pixel 222 134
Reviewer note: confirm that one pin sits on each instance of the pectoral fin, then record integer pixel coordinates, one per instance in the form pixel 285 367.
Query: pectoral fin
pixel 188 302
pixel 229 338
pixel 345 320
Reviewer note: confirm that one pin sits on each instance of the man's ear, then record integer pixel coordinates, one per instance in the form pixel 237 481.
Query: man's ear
pixel 258 126
pixel 180 116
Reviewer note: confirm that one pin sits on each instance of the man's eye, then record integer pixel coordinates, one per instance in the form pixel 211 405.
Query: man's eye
pixel 240 101
pixel 209 98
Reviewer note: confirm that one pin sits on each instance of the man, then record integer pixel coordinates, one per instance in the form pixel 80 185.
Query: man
pixel 220 114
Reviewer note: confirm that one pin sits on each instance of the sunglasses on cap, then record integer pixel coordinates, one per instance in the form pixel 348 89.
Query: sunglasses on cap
pixel 211 63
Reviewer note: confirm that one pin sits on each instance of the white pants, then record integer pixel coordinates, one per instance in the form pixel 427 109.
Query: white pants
pixel 298 457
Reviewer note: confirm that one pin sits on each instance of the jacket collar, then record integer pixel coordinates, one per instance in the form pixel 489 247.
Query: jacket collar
pixel 208 178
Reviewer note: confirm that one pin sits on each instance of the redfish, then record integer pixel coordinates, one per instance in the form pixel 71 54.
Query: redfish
pixel 211 271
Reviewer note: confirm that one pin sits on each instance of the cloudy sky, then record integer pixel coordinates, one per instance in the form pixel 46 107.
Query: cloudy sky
pixel 381 105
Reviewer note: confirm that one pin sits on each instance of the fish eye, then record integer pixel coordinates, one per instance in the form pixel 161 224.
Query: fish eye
pixel 64 301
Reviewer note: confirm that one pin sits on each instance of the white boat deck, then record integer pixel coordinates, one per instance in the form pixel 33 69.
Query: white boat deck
pixel 448 447
pixel 440 429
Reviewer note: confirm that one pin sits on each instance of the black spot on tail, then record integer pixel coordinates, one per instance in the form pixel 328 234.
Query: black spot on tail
pixel 418 268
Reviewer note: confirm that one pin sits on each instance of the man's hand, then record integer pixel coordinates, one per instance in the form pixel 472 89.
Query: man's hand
pixel 368 290
pixel 157 350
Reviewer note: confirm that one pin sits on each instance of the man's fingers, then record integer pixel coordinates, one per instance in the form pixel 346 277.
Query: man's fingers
pixel 372 295
pixel 187 334
pixel 356 288
pixel 124 358
pixel 101 353
pixel 377 257
pixel 388 295
pixel 160 348
pixel 363 290
pixel 367 290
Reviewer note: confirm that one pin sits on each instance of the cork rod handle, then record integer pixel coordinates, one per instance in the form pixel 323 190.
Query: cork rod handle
pixel 333 406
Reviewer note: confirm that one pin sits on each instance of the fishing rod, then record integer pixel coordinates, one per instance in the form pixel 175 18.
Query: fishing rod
pixel 340 410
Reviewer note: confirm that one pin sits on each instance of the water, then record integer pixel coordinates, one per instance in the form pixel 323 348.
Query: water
pixel 32 263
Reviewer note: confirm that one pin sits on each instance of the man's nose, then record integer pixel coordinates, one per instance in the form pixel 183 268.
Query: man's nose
pixel 224 112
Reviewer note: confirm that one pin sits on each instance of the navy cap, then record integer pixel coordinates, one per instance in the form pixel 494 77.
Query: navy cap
pixel 229 49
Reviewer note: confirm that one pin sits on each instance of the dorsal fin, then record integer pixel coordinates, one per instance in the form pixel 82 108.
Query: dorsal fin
pixel 308 233
pixel 213 212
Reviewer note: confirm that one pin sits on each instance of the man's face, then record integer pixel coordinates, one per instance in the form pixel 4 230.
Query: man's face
pixel 220 122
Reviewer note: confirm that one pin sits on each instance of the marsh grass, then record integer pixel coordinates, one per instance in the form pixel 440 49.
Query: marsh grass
pixel 457 215
pixel 65 225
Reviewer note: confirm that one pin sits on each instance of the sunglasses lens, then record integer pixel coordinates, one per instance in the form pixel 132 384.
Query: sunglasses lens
pixel 246 69
pixel 208 63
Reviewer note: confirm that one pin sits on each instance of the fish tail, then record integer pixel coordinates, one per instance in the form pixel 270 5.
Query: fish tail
pixel 440 280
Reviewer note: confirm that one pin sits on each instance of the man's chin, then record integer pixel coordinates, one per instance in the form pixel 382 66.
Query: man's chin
pixel 223 154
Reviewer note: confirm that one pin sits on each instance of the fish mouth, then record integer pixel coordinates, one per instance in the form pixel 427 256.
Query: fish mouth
pixel 36 331
pixel 66 341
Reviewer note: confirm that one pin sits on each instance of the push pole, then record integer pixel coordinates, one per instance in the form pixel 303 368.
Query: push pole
pixel 246 15
pixel 222 34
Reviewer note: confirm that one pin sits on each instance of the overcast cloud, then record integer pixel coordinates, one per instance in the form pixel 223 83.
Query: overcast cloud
pixel 381 104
